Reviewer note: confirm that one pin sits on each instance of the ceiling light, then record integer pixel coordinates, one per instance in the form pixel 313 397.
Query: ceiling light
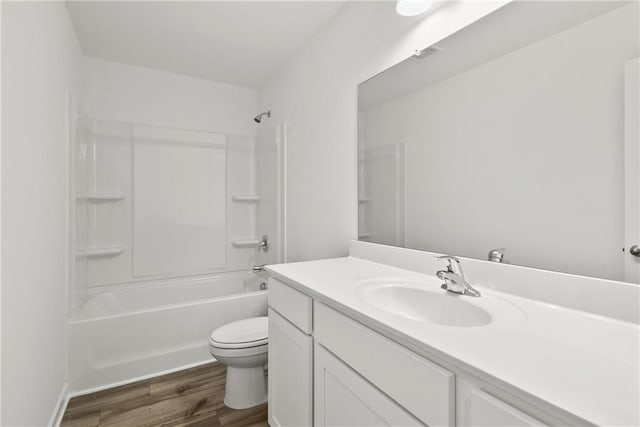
pixel 412 7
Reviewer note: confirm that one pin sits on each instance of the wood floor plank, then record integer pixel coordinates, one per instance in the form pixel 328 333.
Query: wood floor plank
pixel 88 419
pixel 252 417
pixel 190 398
pixel 117 397
pixel 160 413
pixel 180 407
pixel 214 379
pixel 209 421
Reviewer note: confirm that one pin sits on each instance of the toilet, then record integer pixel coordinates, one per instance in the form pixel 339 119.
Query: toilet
pixel 242 347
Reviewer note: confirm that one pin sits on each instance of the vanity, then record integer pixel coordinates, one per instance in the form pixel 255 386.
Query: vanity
pixel 372 339
pixel 503 144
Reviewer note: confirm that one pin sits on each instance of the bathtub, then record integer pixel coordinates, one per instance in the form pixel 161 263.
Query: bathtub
pixel 123 335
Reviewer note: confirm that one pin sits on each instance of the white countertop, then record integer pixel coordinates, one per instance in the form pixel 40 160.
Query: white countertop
pixel 584 364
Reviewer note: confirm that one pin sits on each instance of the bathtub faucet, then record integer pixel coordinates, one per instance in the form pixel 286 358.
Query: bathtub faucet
pixel 258 268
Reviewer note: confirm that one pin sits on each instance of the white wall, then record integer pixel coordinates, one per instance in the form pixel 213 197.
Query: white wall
pixel 544 177
pixel 0 215
pixel 316 94
pixel 40 64
pixel 126 93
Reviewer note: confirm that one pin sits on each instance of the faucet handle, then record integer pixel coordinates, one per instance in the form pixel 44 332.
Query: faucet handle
pixel 454 279
pixel 451 259
pixel 454 264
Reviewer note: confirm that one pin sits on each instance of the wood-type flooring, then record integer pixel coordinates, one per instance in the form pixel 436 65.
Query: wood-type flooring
pixel 193 397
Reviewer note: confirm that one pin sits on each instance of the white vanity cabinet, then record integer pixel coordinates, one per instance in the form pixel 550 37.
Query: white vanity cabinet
pixel 290 357
pixel 327 369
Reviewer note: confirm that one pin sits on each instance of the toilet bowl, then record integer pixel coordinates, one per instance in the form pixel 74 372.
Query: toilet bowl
pixel 242 346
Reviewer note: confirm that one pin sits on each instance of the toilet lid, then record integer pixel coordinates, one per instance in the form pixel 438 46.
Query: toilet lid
pixel 242 333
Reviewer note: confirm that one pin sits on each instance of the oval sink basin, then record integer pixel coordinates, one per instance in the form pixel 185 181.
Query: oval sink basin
pixel 417 301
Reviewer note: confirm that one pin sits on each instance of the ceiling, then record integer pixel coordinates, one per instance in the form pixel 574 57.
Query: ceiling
pixel 237 42
pixel 511 27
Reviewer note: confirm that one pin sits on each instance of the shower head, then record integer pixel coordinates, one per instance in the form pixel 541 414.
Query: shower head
pixel 258 118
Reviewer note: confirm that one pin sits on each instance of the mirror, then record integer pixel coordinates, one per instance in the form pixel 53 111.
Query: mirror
pixel 507 134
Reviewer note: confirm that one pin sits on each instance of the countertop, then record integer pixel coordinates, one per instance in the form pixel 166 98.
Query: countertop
pixel 583 364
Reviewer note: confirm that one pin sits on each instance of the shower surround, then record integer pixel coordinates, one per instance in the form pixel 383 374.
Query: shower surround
pixel 164 234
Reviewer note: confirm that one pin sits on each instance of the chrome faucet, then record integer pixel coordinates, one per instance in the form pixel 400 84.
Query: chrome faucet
pixel 258 268
pixel 454 280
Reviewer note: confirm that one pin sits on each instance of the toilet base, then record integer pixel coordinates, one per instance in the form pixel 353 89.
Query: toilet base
pixel 245 388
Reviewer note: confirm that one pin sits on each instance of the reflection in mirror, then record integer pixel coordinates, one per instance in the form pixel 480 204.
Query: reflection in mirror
pixel 508 134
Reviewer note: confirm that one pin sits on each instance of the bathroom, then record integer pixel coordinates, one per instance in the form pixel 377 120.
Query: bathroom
pixel 205 205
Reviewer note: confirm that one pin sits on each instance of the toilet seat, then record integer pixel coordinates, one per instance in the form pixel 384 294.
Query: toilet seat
pixel 235 353
pixel 242 334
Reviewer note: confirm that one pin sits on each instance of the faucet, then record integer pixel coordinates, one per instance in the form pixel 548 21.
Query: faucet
pixel 258 268
pixel 454 280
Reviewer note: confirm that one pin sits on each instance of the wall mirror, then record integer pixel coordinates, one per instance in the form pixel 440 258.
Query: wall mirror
pixel 510 133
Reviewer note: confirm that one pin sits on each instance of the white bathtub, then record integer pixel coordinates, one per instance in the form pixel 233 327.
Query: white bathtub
pixel 120 336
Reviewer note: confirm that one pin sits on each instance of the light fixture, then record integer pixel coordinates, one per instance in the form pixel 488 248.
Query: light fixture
pixel 412 7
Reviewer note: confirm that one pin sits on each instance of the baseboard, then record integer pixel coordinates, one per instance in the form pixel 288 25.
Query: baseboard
pixel 61 406
pixel 140 378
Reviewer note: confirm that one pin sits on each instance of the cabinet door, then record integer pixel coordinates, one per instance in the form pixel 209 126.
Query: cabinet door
pixel 344 398
pixel 487 411
pixel 290 370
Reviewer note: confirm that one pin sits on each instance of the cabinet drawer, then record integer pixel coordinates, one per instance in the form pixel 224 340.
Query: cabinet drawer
pixel 291 304
pixel 420 386
pixel 488 411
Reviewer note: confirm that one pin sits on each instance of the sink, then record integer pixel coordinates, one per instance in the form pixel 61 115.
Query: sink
pixel 424 302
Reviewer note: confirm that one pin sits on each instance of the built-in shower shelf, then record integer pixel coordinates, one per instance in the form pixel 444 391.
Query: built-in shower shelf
pixel 250 198
pixel 364 200
pixel 100 197
pixel 247 243
pixel 102 251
